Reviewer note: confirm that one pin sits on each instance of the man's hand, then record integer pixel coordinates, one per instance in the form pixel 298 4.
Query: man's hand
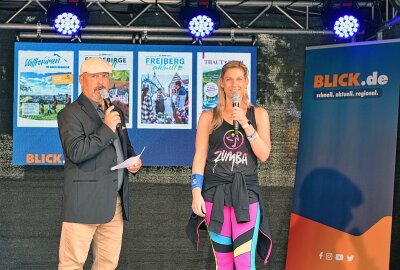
pixel 111 118
pixel 136 167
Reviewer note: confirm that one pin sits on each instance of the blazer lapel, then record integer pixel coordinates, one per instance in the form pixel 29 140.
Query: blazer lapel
pixel 122 139
pixel 88 107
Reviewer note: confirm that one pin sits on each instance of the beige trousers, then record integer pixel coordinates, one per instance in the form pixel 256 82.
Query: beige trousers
pixel 76 239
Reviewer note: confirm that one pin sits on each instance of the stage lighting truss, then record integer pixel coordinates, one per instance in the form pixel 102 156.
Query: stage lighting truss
pixel 67 17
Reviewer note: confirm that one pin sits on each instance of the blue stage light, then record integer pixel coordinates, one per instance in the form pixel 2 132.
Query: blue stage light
pixel 200 21
pixel 346 26
pixel 67 23
pixel 344 17
pixel 201 26
pixel 67 17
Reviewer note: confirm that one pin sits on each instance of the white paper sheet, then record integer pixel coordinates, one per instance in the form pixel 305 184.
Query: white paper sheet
pixel 129 162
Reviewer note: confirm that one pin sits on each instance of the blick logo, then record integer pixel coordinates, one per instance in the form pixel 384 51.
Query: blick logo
pixel 43 159
pixel 349 80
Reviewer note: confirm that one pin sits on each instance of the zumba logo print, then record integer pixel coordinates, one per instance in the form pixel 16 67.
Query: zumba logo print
pixel 228 156
pixel 233 141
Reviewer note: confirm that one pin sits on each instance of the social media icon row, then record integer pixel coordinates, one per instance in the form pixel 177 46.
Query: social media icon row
pixel 329 256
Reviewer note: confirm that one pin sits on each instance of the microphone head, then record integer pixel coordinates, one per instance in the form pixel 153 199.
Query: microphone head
pixel 104 93
pixel 235 97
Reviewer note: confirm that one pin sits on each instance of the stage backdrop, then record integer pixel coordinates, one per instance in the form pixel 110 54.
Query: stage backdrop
pixel 47 79
pixel 343 196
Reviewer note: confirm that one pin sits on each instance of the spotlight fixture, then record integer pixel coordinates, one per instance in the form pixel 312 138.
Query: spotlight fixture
pixel 342 17
pixel 346 26
pixel 67 17
pixel 203 24
pixel 201 21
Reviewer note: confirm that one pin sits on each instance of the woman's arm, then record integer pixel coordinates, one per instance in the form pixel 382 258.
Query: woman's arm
pixel 261 144
pixel 199 160
pixel 260 139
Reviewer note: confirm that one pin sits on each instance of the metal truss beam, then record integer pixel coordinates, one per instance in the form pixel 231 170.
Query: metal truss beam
pixel 232 30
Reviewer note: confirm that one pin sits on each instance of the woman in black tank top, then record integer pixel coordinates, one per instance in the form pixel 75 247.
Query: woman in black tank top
pixel 229 141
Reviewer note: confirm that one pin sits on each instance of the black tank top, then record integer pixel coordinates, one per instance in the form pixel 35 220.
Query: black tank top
pixel 229 153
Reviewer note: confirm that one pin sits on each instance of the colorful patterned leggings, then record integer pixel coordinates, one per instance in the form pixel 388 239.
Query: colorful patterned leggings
pixel 240 252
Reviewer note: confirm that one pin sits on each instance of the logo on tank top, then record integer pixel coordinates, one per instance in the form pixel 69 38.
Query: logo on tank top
pixel 232 141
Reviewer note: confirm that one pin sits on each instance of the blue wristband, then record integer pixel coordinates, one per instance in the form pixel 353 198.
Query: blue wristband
pixel 196 181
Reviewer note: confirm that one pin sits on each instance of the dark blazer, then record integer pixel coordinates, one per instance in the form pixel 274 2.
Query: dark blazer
pixel 90 187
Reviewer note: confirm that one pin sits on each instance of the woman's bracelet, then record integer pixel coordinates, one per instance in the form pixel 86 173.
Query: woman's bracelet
pixel 253 136
pixel 196 180
pixel 247 125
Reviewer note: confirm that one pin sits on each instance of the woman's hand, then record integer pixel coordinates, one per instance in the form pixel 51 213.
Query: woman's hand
pixel 198 205
pixel 240 115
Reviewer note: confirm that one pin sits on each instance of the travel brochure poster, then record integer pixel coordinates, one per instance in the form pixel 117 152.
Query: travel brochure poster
pixel 209 65
pixel 121 86
pixel 165 96
pixel 45 86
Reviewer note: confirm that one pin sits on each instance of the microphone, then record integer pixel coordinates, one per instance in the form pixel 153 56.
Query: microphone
pixel 104 94
pixel 107 102
pixel 235 99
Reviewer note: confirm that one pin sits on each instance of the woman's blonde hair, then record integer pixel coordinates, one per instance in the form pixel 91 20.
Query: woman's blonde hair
pixel 217 111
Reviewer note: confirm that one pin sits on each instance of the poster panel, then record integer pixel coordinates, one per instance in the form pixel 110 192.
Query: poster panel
pixel 120 80
pixel 209 65
pixel 44 86
pixel 343 195
pixel 165 96
pixel 47 79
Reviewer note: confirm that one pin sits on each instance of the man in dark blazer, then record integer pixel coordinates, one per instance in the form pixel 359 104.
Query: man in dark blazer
pixel 95 198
